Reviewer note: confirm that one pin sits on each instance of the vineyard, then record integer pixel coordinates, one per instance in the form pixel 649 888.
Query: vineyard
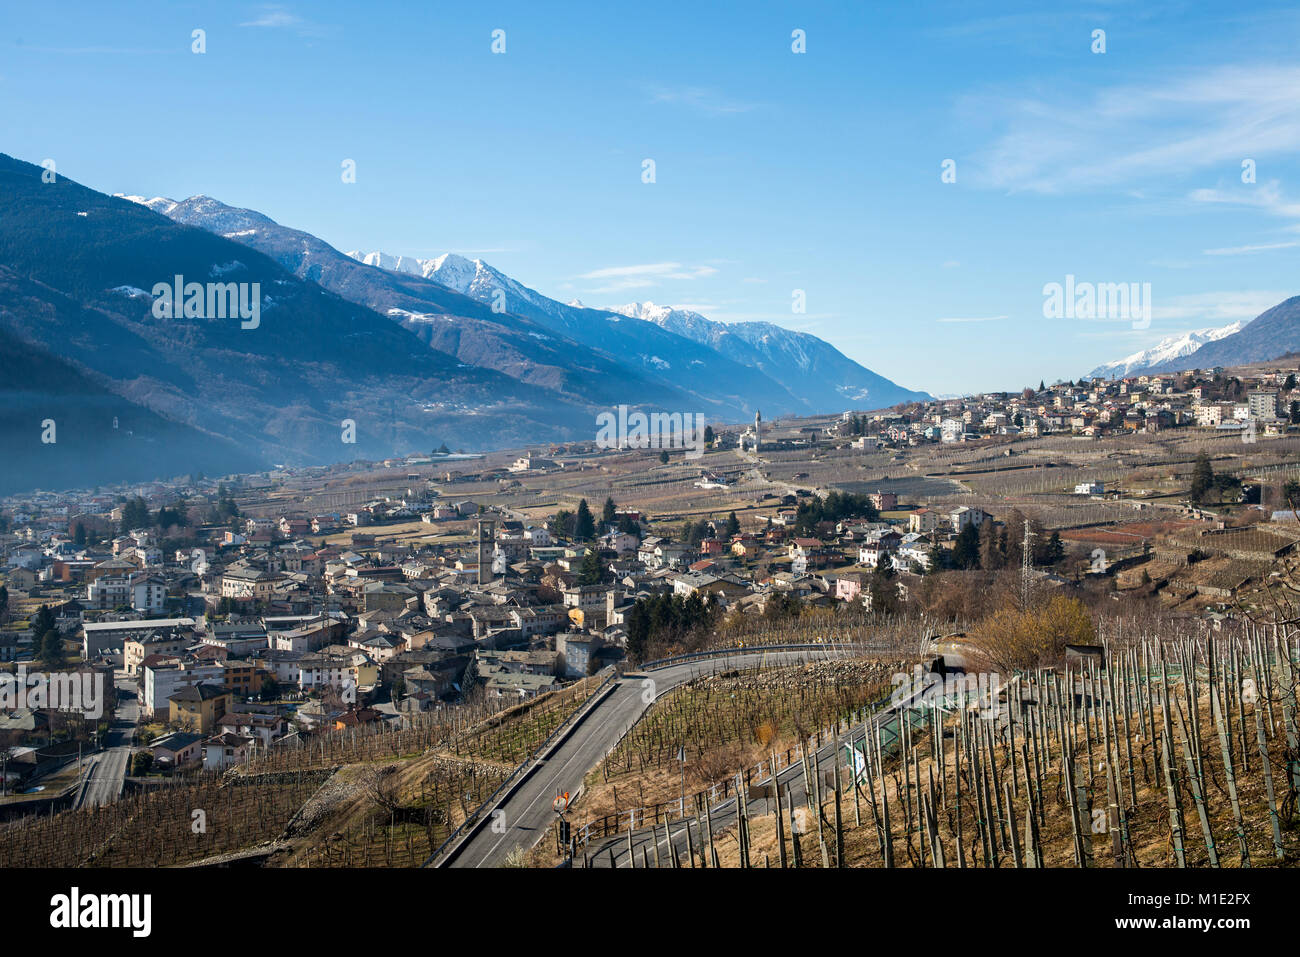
pixel 1163 754
pixel 391 815
pixel 177 824
pixel 373 796
pixel 722 721
pixel 513 734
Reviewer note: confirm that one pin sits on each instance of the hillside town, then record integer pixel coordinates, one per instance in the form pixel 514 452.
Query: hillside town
pixel 241 619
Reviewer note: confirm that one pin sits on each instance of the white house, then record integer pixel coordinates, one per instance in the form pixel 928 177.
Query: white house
pixel 227 749
pixel 964 515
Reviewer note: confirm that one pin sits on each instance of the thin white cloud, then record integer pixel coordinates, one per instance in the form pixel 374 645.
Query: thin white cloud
pixel 1123 135
pixel 650 272
pixel 700 99
pixel 1266 197
pixel 971 318
pixel 272 16
pixel 276 17
pixel 84 51
pixel 621 285
pixel 1245 250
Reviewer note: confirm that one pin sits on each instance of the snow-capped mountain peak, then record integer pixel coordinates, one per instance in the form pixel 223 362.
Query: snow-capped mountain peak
pixel 159 204
pixel 215 216
pixel 692 325
pixel 1177 346
pixel 450 270
pixel 805 366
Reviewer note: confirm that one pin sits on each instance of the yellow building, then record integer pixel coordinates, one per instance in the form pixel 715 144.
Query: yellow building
pixel 197 707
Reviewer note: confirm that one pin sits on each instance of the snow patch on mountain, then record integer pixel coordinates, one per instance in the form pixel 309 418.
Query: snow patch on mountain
pixel 159 204
pixel 410 316
pixel 1178 346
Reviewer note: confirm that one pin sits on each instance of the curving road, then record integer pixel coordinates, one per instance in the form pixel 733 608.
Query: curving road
pixel 521 819
pixel 649 845
pixel 657 844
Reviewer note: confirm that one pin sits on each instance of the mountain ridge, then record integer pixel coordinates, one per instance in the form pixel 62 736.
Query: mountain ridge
pixel 1169 349
pixel 78 266
pixel 1275 332
pixel 820 377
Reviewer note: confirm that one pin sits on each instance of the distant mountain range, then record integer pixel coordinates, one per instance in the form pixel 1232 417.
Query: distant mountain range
pixel 1270 335
pixel 401 360
pixel 806 365
pixel 1168 349
pixel 444 320
pixel 597 354
pixel 204 394
pixel 810 374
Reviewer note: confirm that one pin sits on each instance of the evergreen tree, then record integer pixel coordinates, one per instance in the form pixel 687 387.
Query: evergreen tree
pixel 638 632
pixel 609 514
pixel 883 590
pixel 694 532
pixel 1055 549
pixel 1202 477
pixel 590 572
pixel 733 524
pixel 584 526
pixel 663 457
pixel 42 621
pixel 709 437
pixel 51 649
pixel 562 523
pixel 135 514
pixel 990 555
pixel 79 535
pixel 966 550
pixel 936 555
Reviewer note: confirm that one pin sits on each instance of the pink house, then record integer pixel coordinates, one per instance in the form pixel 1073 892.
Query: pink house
pixel 849 586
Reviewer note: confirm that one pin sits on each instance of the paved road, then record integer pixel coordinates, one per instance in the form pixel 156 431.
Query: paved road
pixel 529 812
pixel 614 851
pixel 106 771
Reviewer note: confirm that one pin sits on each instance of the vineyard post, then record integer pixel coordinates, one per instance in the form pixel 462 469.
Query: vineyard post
pixel 1268 785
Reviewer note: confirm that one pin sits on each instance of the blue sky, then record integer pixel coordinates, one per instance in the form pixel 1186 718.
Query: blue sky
pixel 775 171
